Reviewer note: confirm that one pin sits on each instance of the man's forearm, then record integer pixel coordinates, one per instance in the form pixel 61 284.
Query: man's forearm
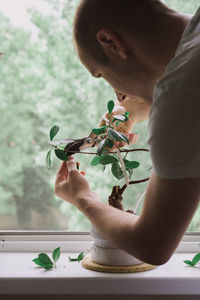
pixel 118 227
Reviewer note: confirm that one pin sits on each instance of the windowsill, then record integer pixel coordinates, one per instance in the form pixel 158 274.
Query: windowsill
pixel 69 278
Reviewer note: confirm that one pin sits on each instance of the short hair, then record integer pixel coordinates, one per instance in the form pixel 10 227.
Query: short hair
pixel 135 16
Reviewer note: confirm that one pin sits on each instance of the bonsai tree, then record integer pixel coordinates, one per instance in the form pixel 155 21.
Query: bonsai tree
pixel 105 139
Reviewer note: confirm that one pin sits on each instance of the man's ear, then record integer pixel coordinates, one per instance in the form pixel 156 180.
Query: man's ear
pixel 110 42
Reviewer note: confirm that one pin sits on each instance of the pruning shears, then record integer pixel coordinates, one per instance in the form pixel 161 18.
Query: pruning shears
pixel 76 145
pixel 80 144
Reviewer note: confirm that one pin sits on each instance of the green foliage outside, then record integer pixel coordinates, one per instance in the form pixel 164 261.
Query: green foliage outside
pixel 43 83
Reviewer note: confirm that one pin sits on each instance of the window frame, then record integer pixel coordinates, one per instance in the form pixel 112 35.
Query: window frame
pixel 36 241
pixel 45 239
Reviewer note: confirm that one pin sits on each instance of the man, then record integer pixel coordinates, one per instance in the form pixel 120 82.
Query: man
pixel 145 49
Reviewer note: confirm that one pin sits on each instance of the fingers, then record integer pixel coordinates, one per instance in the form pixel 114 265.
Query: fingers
pixel 66 166
pixel 72 169
pixel 133 137
pixel 71 164
pixel 62 172
pixel 118 110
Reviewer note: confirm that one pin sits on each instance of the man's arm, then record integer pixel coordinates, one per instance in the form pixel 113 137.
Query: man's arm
pixel 153 236
pixel 168 209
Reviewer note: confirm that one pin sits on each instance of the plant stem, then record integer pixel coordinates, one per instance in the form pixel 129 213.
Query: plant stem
pixel 115 199
pixel 133 182
pixel 109 152
pixel 122 164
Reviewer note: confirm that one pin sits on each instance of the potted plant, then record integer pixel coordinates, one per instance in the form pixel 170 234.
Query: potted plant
pixel 105 139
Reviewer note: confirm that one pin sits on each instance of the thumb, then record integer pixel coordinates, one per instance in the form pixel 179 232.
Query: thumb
pixel 71 164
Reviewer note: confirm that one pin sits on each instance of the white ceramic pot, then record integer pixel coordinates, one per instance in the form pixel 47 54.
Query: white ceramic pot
pixel 103 252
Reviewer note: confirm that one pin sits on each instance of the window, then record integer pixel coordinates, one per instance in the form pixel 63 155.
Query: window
pixel 42 84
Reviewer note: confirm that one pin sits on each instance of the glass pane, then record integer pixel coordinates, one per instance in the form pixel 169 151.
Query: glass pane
pixel 42 84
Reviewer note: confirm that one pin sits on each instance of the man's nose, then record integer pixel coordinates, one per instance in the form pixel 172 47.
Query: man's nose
pixel 120 96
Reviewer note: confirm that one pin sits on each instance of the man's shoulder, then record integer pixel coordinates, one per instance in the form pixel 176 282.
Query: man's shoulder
pixel 182 68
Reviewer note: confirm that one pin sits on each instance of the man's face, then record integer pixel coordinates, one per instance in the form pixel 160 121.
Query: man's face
pixel 131 78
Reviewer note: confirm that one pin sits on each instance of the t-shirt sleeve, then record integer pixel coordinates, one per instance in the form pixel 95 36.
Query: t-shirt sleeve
pixel 174 132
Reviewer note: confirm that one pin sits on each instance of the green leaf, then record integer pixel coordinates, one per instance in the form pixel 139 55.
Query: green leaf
pixel 44 258
pixel 125 118
pixel 196 259
pixel 117 171
pixel 106 159
pixel 131 164
pixel 188 262
pixel 100 147
pixel 48 159
pixel 108 143
pixel 126 115
pixel 42 265
pixel 119 118
pixel 61 154
pixel 81 256
pixel 99 130
pixel 118 136
pixel 72 259
pixel 111 105
pixel 38 262
pixel 56 254
pixel 48 267
pixel 95 161
pixel 119 122
pixel 77 166
pixel 54 130
pixel 130 171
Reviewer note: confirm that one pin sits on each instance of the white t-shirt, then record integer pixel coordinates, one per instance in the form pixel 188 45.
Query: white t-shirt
pixel 174 120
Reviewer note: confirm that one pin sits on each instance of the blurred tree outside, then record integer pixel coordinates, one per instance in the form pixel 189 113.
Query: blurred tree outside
pixel 42 84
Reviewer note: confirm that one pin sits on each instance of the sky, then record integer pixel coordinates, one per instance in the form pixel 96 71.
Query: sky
pixel 16 10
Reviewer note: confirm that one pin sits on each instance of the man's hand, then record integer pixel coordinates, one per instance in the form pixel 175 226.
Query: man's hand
pixel 70 185
pixel 125 127
pixel 139 110
pixel 138 107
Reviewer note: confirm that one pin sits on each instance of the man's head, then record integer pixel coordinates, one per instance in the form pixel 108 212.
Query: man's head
pixel 123 41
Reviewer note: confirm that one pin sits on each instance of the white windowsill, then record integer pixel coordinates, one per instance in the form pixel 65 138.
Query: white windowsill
pixel 69 278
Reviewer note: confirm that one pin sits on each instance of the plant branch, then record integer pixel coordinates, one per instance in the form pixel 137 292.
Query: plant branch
pixel 107 152
pixel 133 182
pixel 115 199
